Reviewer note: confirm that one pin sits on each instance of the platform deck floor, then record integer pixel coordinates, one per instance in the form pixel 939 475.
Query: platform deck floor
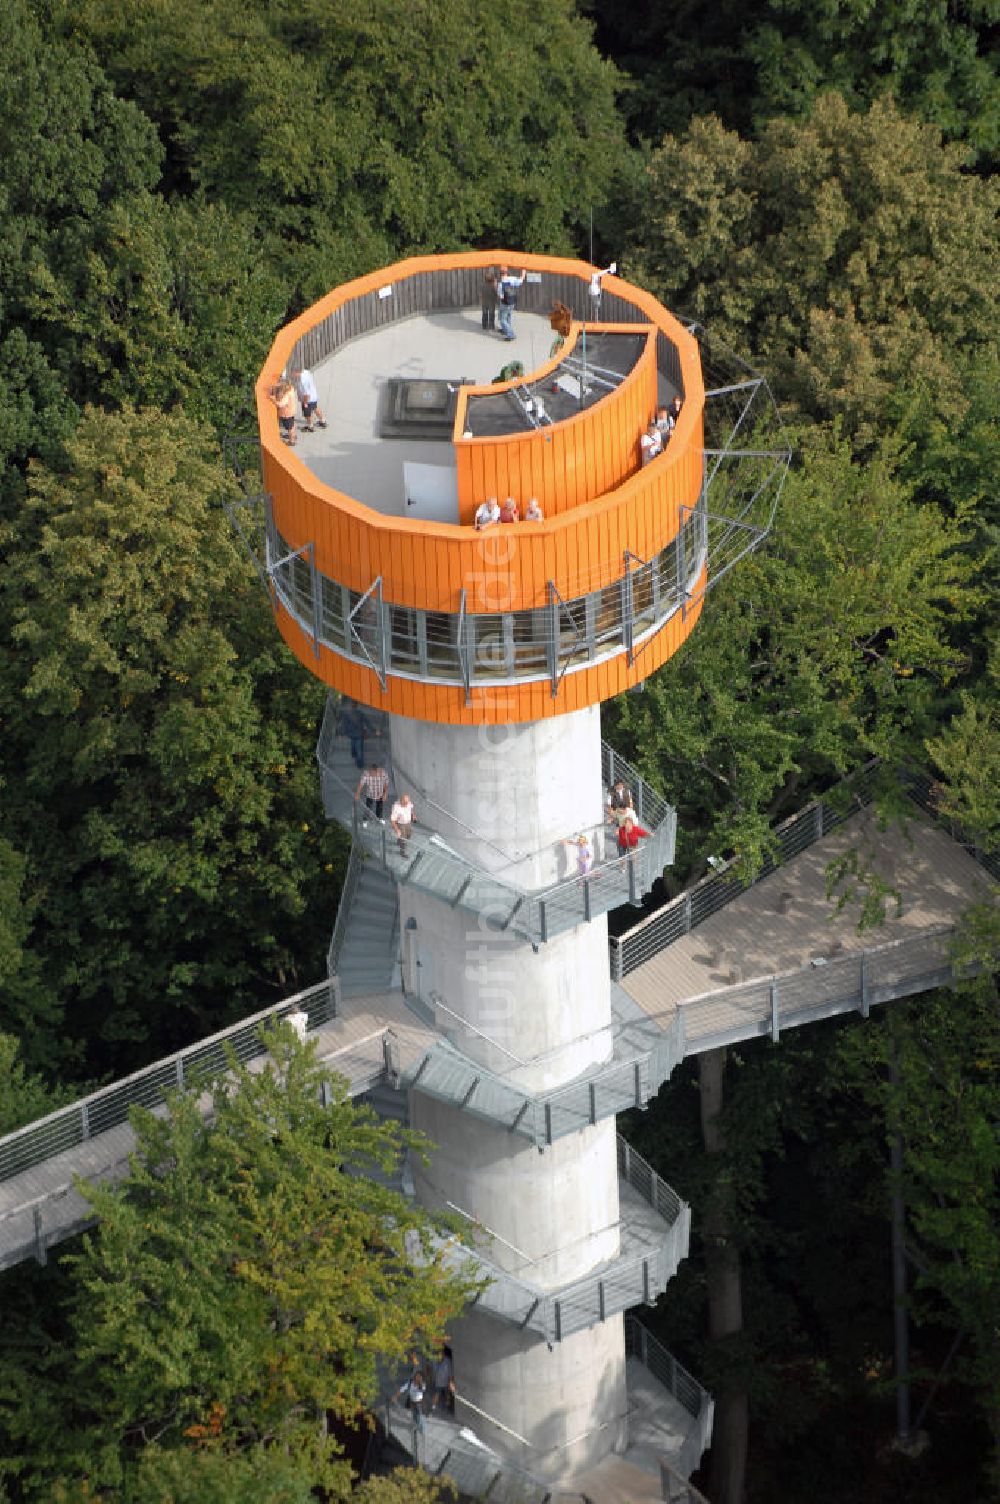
pixel 760 935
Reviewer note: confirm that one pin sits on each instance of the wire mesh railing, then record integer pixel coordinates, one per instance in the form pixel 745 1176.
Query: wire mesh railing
pixel 109 1107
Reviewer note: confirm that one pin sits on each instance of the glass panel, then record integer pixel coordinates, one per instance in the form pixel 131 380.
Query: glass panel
pixel 608 623
pixel 491 652
pixel 404 648
pixel 332 606
pixel 643 614
pixel 531 636
pixel 442 648
pixel 365 626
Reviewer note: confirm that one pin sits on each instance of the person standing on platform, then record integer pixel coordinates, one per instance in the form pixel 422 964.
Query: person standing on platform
pixel 507 290
pixel 308 399
pixel 352 724
pixel 488 298
pixel 620 802
pixel 282 394
pixel 487 514
pixel 584 855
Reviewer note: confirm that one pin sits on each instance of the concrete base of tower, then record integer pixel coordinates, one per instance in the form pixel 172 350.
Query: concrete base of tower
pixel 554 1411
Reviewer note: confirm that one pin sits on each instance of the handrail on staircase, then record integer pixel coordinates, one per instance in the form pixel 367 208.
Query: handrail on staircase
pixel 650 805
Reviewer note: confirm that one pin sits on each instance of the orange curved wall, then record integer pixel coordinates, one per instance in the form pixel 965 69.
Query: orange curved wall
pixel 580 547
pixel 566 464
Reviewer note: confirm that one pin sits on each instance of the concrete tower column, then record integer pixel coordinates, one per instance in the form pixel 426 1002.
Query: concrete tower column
pixel 507 798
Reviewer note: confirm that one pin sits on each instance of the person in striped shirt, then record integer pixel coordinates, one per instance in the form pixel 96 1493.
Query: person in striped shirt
pixel 374 786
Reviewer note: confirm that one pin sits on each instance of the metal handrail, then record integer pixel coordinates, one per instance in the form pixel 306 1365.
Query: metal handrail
pixel 352 878
pixel 109 1107
pixel 824 987
pixel 536 914
pixel 649 805
pixel 640 1343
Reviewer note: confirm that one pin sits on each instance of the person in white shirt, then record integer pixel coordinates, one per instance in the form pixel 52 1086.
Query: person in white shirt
pixel 651 443
pixel 488 513
pixel 533 512
pixel 507 289
pixel 299 1021
pixel 305 385
pixel 401 821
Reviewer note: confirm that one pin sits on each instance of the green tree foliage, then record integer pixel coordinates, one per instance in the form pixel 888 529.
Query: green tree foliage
pixel 749 61
pixel 832 646
pixel 355 132
pixel 244 1285
pixel 157 751
pixel 931 1071
pixel 70 151
pixel 849 252
pixel 967 754
pixel 23 1096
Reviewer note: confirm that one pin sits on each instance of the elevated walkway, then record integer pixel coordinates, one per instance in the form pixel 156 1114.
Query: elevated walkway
pixel 366 1040
pixel 643 1059
pixel 435 863
pixel 726 962
pixel 655 1233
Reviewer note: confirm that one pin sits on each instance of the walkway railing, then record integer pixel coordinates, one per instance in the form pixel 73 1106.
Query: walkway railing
pixel 428 862
pixel 826 987
pixel 641 1344
pixel 705 898
pixel 351 879
pixel 109 1108
pixel 615 1286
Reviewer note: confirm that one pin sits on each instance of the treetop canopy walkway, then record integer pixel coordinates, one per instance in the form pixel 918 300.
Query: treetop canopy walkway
pixel 722 963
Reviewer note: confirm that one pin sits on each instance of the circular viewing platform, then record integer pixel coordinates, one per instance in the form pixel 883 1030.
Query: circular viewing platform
pixel 381 583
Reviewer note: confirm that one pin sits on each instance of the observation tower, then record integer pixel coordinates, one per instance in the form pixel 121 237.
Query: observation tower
pixel 480 659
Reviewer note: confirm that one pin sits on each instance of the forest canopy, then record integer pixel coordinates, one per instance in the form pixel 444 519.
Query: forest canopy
pixel 812 182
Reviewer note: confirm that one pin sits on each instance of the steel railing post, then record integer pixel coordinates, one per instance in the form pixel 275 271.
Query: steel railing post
pixel 864 984
pixel 775 1029
pixel 84 1121
pixel 40 1251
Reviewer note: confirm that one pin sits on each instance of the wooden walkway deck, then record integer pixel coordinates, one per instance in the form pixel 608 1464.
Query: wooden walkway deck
pixel 41 1207
pixel 719 977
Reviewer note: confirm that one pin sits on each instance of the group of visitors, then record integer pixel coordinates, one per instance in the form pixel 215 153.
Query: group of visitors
pixel 499 299
pixel 299 384
pixel 490 512
pixel 657 435
pixel 373 788
pixel 413 1391
pixel 373 785
pixel 621 815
